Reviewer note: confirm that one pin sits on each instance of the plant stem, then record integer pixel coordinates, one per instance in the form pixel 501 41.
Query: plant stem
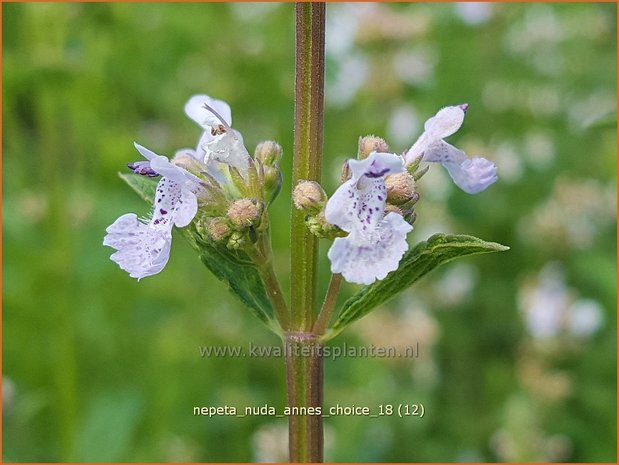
pixel 304 364
pixel 324 317
pixel 262 257
pixel 308 135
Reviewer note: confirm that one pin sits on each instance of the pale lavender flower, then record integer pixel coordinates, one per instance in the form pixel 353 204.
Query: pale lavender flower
pixel 143 248
pixel 376 242
pixel 219 143
pixel 472 175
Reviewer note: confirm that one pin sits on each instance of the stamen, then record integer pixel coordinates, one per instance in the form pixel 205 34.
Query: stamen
pixel 219 117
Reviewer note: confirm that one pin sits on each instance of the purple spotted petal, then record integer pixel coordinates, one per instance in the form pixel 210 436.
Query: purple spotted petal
pixel 364 261
pixel 376 242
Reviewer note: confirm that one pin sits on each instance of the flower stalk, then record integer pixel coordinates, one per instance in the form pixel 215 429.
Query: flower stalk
pixel 304 361
pixel 304 366
pixel 261 255
pixel 326 312
pixel 308 137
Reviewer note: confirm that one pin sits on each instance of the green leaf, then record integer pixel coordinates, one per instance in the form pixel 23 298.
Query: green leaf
pixel 232 267
pixel 237 270
pixel 416 263
pixel 143 185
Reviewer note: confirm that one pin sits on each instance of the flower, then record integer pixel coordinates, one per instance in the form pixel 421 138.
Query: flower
pixel 217 171
pixel 472 175
pixel 143 249
pixel 219 143
pixel 376 242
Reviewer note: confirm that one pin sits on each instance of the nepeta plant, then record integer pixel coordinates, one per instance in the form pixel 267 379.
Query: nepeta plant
pixel 218 196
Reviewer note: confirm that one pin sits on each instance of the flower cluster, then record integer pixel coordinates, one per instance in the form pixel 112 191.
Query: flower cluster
pixel 375 203
pixel 217 186
pixel 223 191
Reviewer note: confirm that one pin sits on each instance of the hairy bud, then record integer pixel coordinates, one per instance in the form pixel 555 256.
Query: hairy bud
pixel 218 229
pixel 400 188
pixel 393 209
pixel 309 196
pixel 320 227
pixel 245 213
pixel 268 152
pixel 369 144
pixel 188 163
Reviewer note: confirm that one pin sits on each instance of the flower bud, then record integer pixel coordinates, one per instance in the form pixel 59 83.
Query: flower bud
pixel 309 196
pixel 346 172
pixel 218 229
pixel 393 209
pixel 245 213
pixel 236 241
pixel 320 227
pixel 188 163
pixel 400 188
pixel 369 144
pixel 268 152
pixel 272 182
pixel 409 215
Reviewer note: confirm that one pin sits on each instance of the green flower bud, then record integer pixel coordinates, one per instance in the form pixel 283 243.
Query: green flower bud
pixel 268 152
pixel 369 144
pixel 309 196
pixel 320 227
pixel 245 213
pixel 236 241
pixel 409 215
pixel 400 188
pixel 272 182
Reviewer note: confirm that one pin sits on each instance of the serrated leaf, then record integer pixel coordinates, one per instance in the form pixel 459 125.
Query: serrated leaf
pixel 416 263
pixel 237 270
pixel 232 267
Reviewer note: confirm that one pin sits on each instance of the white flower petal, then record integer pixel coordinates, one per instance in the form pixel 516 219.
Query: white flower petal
pixel 173 205
pixel 445 123
pixel 359 203
pixel 376 165
pixel 376 242
pixel 186 209
pixel 473 175
pixel 162 166
pixel 146 153
pixel 169 170
pixel 338 210
pixel 194 108
pixel 228 148
pixel 442 152
pixel 363 262
pixel 140 249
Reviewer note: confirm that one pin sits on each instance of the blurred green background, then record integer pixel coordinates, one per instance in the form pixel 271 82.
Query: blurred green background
pixel 517 350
